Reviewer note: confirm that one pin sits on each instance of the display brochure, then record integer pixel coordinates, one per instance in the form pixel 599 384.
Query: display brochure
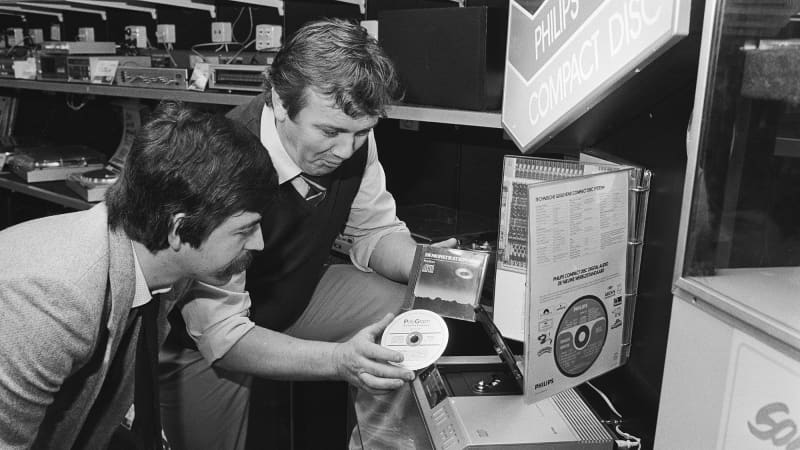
pixel 512 241
pixel 447 281
pixel 639 195
pixel 577 247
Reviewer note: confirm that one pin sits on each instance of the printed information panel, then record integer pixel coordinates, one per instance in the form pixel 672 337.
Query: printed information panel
pixel 577 249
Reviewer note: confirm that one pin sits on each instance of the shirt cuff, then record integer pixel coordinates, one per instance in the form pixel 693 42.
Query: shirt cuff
pixel 216 318
pixel 216 342
pixel 363 246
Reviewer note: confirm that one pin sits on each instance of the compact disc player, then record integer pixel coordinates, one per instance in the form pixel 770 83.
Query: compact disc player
pixel 474 402
pixel 478 402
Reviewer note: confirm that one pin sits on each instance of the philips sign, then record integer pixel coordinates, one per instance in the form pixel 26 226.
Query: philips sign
pixel 568 55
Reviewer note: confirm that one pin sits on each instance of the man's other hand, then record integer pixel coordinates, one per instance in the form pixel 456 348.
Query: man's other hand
pixel 447 243
pixel 365 364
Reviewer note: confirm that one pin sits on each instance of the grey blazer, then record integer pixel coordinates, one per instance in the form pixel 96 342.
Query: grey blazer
pixel 66 371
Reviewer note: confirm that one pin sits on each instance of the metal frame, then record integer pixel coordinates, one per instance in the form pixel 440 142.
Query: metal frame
pixel 117 5
pixel 65 7
pixel 693 289
pixel 693 137
pixel 278 4
pixel 23 11
pixel 362 4
pixel 212 10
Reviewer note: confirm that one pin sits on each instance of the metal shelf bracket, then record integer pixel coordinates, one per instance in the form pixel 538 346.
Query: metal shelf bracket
pixel 278 4
pixel 117 5
pixel 63 7
pixel 17 9
pixel 362 4
pixel 212 10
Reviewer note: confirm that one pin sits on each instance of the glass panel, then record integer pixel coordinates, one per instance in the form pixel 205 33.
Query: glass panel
pixel 744 237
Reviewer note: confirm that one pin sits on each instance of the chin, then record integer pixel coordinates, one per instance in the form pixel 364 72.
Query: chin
pixel 319 171
pixel 217 280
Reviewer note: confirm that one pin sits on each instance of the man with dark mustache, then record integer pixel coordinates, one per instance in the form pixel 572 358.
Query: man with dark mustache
pixel 80 314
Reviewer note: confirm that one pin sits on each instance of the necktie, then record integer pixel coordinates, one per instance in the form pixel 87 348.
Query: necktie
pixel 311 190
pixel 147 422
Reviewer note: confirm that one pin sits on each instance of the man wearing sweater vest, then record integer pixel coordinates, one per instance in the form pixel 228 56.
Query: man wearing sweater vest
pixel 292 317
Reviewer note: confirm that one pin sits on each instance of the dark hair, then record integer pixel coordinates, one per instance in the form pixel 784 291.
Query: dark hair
pixel 187 161
pixel 334 58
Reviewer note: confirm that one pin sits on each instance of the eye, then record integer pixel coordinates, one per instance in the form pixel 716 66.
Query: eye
pixel 330 133
pixel 246 231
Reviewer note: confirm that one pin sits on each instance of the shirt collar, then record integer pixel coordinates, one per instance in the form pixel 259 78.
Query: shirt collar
pixel 283 163
pixel 142 294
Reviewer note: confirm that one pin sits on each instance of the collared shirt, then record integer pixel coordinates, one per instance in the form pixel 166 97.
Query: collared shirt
pixel 142 293
pixel 373 213
pixel 217 317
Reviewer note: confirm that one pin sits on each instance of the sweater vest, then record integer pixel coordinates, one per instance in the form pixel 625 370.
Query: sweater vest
pixel 297 241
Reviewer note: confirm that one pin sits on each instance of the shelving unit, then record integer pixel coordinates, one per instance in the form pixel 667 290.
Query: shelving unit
pixel 488 119
pixel 57 192
pixel 53 191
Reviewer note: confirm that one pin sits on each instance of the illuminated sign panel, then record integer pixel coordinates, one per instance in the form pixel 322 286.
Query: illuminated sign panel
pixel 569 54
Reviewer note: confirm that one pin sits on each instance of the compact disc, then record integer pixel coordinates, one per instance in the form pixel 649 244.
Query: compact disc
pixel 580 336
pixel 420 335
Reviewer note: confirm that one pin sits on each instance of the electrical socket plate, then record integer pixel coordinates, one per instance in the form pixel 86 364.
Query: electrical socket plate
pixel 136 34
pixel 268 36
pixel 55 32
pixel 86 34
pixel 14 36
pixel 165 33
pixel 371 26
pixel 221 32
pixel 36 34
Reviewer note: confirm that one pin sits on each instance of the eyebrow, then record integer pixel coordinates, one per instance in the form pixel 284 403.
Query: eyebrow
pixel 342 130
pixel 248 225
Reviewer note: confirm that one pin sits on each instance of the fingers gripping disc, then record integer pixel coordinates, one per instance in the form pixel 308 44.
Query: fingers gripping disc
pixel 420 335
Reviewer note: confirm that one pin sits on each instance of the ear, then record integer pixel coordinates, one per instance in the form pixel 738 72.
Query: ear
pixel 173 238
pixel 277 107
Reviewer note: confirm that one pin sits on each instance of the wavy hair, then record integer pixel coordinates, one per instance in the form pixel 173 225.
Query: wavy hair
pixel 337 59
pixel 188 161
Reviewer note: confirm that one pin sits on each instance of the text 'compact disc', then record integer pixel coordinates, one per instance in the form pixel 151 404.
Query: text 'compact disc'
pixel 420 335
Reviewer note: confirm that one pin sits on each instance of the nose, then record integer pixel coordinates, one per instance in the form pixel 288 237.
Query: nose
pixel 255 241
pixel 345 146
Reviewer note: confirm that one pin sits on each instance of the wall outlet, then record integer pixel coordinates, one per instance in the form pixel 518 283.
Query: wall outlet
pixel 14 37
pixel 268 36
pixel 86 34
pixel 165 33
pixel 136 36
pixel 55 32
pixel 221 32
pixel 36 34
pixel 371 26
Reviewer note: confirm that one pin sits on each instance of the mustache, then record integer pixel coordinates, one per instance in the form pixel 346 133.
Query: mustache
pixel 238 265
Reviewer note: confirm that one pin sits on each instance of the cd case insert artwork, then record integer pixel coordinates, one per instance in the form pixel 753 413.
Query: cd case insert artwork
pixel 447 281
